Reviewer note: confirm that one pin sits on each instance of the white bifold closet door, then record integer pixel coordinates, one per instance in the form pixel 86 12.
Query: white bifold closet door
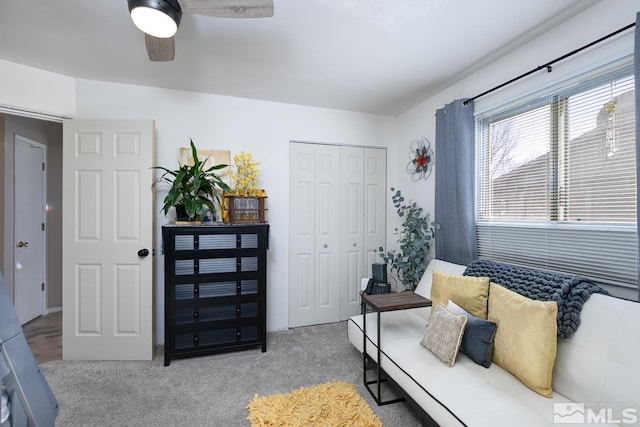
pixel 337 222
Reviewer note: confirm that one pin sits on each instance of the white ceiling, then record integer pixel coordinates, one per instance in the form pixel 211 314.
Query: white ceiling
pixel 377 56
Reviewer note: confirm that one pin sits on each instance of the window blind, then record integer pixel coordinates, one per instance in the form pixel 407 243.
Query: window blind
pixel 556 178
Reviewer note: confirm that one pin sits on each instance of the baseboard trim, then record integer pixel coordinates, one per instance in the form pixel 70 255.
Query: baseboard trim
pixel 51 310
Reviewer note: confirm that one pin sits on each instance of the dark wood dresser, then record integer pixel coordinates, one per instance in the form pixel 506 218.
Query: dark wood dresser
pixel 215 288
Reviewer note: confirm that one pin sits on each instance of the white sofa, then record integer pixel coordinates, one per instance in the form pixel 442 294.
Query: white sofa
pixel 598 366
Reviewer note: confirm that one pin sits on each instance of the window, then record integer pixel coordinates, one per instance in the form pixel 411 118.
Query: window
pixel 557 179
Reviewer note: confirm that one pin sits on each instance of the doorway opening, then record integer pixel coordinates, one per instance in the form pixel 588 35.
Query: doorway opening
pixel 49 134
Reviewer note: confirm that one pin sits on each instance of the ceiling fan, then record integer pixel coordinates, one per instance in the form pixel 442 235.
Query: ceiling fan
pixel 159 19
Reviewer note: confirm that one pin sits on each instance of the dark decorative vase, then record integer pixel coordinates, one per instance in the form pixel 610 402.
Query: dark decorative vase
pixel 181 213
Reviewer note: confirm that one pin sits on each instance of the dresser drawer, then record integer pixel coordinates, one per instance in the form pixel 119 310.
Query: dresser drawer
pixel 209 290
pixel 189 315
pixel 203 242
pixel 212 338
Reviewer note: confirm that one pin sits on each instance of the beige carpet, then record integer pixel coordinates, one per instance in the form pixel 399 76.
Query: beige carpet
pixel 334 404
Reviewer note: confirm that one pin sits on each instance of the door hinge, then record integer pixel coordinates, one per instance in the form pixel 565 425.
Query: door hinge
pixel 42 287
pixel 42 226
pixel 42 166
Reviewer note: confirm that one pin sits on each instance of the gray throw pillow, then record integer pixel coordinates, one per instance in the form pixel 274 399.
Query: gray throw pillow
pixel 444 334
pixel 477 341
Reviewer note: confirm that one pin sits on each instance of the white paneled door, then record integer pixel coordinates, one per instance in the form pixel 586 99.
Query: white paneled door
pixel 376 193
pixel 362 220
pixel 337 221
pixel 108 239
pixel 29 219
pixel 327 233
pixel 352 228
pixel 315 176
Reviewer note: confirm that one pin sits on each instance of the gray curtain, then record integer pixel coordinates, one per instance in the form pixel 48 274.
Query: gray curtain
pixel 455 177
pixel 636 65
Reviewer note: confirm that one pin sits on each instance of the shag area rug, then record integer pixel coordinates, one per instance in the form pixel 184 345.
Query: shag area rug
pixel 334 404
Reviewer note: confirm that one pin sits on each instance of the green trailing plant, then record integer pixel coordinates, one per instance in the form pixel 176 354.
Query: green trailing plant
pixel 192 185
pixel 409 261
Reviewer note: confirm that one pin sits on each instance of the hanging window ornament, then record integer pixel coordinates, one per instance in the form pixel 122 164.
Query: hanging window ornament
pixel 610 143
pixel 421 155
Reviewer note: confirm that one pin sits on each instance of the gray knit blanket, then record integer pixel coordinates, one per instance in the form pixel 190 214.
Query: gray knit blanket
pixel 569 291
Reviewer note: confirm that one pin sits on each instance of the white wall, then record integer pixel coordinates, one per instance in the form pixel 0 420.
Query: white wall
pixel 220 122
pixel 35 90
pixel 598 21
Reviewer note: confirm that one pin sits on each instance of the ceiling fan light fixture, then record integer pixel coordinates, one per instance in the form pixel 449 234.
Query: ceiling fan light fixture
pixel 158 18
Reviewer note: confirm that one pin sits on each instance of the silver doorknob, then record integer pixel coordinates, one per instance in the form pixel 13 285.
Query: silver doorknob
pixel 23 244
pixel 355 244
pixel 326 246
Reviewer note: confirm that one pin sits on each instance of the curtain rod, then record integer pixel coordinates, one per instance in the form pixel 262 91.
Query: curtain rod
pixel 550 63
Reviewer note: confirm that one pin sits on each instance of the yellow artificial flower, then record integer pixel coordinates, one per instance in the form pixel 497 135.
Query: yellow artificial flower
pixel 246 173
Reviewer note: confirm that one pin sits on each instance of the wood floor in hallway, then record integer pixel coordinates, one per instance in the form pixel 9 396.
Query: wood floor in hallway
pixel 44 335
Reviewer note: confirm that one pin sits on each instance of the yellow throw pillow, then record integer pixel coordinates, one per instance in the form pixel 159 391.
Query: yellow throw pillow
pixel 468 292
pixel 526 339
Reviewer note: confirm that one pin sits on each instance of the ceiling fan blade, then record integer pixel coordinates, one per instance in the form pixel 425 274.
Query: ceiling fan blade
pixel 160 49
pixel 229 8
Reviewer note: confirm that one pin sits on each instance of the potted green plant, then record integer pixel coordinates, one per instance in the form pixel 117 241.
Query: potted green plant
pixel 192 186
pixel 410 261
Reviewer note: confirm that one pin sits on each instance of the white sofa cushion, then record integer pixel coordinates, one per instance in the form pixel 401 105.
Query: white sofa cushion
pixel 601 361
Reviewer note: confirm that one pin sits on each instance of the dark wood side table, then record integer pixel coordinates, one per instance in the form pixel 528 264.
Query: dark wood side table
pixel 380 303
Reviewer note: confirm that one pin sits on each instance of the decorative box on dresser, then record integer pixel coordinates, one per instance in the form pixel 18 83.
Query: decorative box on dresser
pixel 215 288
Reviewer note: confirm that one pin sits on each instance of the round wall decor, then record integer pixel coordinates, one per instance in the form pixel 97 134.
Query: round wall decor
pixel 421 155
